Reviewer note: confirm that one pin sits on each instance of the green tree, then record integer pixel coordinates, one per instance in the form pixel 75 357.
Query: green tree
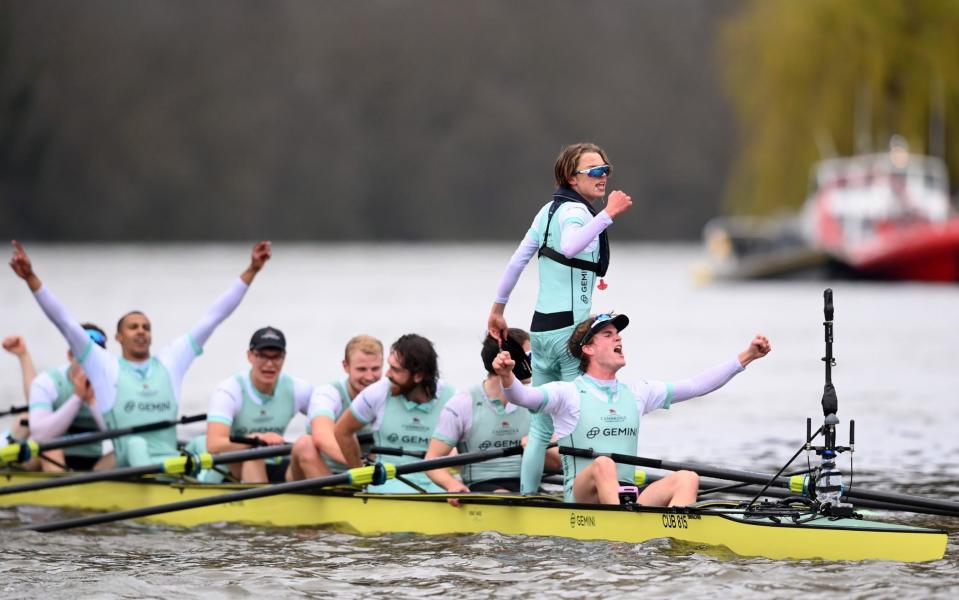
pixel 815 77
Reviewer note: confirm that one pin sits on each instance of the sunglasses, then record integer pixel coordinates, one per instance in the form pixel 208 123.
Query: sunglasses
pixel 596 172
pixel 274 357
pixel 97 337
pixel 600 320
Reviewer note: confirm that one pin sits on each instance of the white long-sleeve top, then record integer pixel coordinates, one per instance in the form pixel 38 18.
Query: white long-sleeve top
pixel 103 368
pixel 46 423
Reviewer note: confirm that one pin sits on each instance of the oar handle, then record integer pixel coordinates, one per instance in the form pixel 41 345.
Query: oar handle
pixel 192 419
pixel 15 410
pixel 249 441
pixel 638 461
pixel 397 451
pixel 86 438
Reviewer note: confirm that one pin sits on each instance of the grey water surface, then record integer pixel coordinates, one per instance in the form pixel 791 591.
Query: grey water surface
pixel 896 347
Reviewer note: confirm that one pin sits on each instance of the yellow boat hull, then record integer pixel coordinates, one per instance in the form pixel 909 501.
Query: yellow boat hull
pixel 344 510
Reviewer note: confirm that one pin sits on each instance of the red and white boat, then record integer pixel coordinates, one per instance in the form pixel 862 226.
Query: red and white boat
pixel 873 216
pixel 885 216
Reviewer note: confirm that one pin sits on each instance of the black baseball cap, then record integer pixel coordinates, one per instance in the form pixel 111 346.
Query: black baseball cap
pixel 491 347
pixel 522 370
pixel 268 337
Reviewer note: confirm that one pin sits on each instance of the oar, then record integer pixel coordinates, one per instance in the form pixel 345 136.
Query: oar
pixel 795 483
pixel 176 465
pixel 397 452
pixel 15 410
pixel 24 451
pixel 374 474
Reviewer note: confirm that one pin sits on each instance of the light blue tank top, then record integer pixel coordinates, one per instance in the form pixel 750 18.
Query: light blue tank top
pixel 563 288
pixel 144 395
pixel 409 426
pixel 492 429
pixel 340 386
pixel 608 422
pixel 272 413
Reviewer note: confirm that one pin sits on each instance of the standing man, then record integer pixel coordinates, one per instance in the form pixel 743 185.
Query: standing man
pixel 480 419
pixel 259 403
pixel 597 411
pixel 138 388
pixel 318 454
pixel 569 236
pixel 402 410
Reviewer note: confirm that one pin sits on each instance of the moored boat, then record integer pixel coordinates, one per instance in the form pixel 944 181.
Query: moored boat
pixel 880 216
pixel 776 533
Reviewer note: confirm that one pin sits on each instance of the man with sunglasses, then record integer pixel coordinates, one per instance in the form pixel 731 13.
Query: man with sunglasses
pixel 401 410
pixel 138 387
pixel 481 419
pixel 258 404
pixel 569 236
pixel 63 402
pixel 597 411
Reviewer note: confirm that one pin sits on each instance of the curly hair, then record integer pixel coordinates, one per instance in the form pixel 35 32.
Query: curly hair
pixel 419 358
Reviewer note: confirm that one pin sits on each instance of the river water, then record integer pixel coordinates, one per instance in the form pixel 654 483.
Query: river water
pixel 895 344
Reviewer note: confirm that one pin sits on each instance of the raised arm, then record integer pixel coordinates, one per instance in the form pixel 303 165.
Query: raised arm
pixel 16 345
pixel 76 337
pixel 224 306
pixel 714 378
pixel 758 348
pixel 496 324
pixel 515 392
pixel 576 236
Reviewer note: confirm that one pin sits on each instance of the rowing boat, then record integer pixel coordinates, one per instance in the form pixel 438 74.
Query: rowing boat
pixel 818 523
pixel 772 534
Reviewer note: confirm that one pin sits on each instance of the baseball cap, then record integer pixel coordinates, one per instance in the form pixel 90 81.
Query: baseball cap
pixel 268 337
pixel 522 370
pixel 618 321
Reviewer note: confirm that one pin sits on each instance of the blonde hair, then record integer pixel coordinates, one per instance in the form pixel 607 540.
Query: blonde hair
pixel 366 344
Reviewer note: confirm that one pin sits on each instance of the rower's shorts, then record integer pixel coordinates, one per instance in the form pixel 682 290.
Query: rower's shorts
pixel 491 485
pixel 551 358
pixel 276 471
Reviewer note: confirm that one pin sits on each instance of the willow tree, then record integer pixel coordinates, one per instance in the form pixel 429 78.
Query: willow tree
pixel 819 78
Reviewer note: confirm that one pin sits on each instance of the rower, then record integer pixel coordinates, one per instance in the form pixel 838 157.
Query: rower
pixel 138 388
pixel 597 411
pixel 568 234
pixel 402 410
pixel 480 419
pixel 62 402
pixel 318 454
pixel 259 403
pixel 18 431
